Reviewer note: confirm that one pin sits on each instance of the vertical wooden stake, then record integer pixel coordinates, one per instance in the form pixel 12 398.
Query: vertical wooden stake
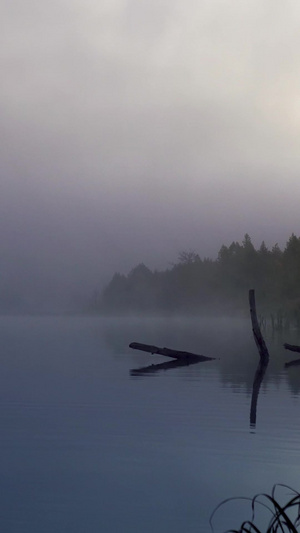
pixel 259 340
pixel 264 358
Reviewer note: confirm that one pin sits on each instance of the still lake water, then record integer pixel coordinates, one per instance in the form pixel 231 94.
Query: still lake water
pixel 89 445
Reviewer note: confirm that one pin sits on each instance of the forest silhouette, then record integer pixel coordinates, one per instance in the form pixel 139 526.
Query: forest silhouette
pixel 193 285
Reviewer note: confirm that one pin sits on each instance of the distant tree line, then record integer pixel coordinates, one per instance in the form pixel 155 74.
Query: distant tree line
pixel 194 285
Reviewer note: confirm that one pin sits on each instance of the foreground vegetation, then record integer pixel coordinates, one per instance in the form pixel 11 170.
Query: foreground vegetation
pixel 194 285
pixel 281 517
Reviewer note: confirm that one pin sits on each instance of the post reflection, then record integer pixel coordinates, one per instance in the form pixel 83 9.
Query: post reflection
pixel 258 378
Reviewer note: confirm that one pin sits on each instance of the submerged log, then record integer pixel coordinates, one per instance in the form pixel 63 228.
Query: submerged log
pixel 292 347
pixel 168 352
pixel 295 362
pixel 259 340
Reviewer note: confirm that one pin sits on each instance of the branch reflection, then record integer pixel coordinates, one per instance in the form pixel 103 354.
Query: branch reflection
pixel 151 369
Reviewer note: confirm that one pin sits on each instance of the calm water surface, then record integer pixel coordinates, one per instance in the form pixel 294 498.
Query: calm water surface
pixel 88 444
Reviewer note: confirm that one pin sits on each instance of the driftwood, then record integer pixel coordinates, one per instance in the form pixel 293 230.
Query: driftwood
pixel 295 362
pixel 292 348
pixel 168 352
pixel 259 340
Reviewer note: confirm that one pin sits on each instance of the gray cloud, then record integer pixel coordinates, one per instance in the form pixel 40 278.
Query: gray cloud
pixel 131 130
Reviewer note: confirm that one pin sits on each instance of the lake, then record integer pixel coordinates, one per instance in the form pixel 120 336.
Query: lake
pixel 89 444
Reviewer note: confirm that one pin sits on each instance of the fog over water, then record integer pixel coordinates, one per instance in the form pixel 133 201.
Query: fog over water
pixel 133 130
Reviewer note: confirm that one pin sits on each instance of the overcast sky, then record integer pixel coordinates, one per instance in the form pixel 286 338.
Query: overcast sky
pixel 134 129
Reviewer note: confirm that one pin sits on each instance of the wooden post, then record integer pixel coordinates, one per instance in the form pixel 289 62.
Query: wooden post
pixel 259 340
pixel 264 358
